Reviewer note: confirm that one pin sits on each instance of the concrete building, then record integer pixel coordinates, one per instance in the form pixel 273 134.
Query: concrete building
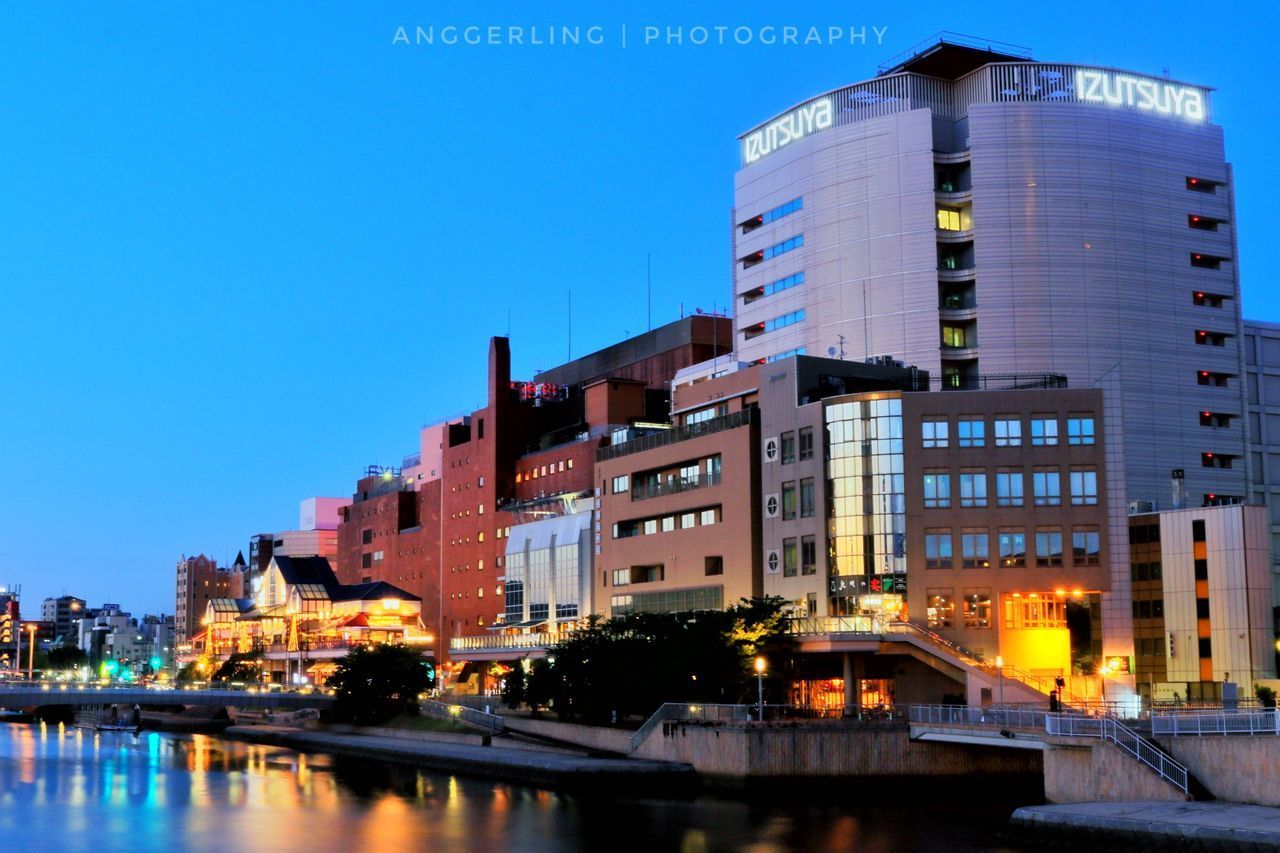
pixel 1261 345
pixel 974 212
pixel 63 612
pixel 1202 586
pixel 198 580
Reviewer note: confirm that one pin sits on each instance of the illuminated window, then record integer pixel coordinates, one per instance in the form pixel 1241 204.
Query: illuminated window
pixel 954 336
pixel 973 487
pixel 941 611
pixel 621 484
pixel 650 526
pixel 977 608
pixel 668 523
pixel 953 219
pixel 970 432
pixel 1084 487
pixel 788 501
pixel 790 556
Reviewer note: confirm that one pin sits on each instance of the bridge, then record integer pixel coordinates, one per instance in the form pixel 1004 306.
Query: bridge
pixel 31 695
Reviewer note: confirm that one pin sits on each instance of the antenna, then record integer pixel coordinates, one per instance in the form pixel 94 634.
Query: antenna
pixel 648 276
pixel 841 339
pixel 570 335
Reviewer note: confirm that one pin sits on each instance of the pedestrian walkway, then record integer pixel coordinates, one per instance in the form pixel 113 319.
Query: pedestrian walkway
pixel 1214 823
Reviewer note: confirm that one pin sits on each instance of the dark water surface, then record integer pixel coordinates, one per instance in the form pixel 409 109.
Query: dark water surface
pixel 67 789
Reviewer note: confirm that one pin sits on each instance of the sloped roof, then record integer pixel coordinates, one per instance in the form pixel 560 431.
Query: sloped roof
pixel 230 605
pixel 299 570
pixel 312 592
pixel 372 591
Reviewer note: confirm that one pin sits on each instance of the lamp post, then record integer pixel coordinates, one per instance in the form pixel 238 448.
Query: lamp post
pixel 31 652
pixel 760 687
pixel 1000 678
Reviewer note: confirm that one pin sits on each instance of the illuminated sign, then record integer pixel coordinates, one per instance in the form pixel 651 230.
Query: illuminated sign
pixel 797 124
pixel 1142 93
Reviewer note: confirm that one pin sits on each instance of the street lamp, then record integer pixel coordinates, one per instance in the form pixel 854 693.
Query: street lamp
pixel 760 664
pixel 31 652
pixel 1000 677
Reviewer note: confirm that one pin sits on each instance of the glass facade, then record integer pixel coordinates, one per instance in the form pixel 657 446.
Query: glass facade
pixel 545 570
pixel 866 514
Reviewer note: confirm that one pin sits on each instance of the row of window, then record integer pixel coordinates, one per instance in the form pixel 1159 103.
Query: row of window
pixel 1006 431
pixel 791 444
pixel 941 606
pixel 1011 547
pixel 544 470
pixel 1046 487
pixel 806 556
pixel 666 524
pixel 773 215
pixel 785 246
pixel 807 507
pixel 782 356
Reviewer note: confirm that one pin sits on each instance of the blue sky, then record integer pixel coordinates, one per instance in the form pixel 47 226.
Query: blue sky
pixel 248 248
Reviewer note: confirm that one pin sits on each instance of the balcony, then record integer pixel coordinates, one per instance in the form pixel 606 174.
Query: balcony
pixel 678 434
pixel 674 486
pixel 504 642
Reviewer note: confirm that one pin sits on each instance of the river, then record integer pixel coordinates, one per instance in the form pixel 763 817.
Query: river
pixel 67 789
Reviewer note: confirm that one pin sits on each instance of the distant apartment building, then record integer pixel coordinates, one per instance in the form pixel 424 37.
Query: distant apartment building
pixel 10 624
pixel 1202 587
pixel 63 612
pixel 198 581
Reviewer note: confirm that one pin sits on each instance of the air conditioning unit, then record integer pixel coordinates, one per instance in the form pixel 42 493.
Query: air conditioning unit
pixel 772 506
pixel 1141 507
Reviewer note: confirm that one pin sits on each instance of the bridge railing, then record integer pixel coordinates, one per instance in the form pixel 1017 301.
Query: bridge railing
pixel 996 716
pixel 1129 741
pixel 1245 721
pixel 461 713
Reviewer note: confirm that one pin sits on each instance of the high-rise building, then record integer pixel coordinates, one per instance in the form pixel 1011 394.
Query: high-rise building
pixel 974 212
pixel 198 580
pixel 63 612
pixel 1262 374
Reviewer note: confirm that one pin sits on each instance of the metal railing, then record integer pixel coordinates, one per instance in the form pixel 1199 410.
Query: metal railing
pixel 1001 716
pixel 718 714
pixel 1129 741
pixel 677 485
pixel 461 713
pixel 1249 721
pixel 671 436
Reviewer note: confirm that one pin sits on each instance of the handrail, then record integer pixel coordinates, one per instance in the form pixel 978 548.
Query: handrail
pixel 1240 722
pixel 1129 741
pixel 444 711
pixel 1003 716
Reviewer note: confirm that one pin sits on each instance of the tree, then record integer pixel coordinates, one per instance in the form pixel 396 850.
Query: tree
pixel 188 672
pixel 372 684
pixel 66 658
pixel 630 665
pixel 240 666
pixel 513 686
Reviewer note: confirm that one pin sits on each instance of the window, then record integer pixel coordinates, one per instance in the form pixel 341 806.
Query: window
pixel 1008 487
pixel 1202 608
pixel 806 443
pixel 937 489
pixel 668 523
pixel 713 566
pixel 621 577
pixel 1208 300
pixel 977 608
pixel 366 536
pixel 773 325
pixel 706 414
pixel 1044 432
pixel 650 526
pixel 973 487
pixel 622 484
pixel 1202 185
pixel 1013 548
pixel 1046 486
pixel 937 549
pixel 808 555
pixel 788 447
pixel 773 215
pixel 941 611
pixel 788 501
pixel 1084 487
pixel 794 280
pixel 1080 430
pixel 952 219
pixel 806 498
pixel 366 561
pixel 784 355
pixel 1206 338
pixel 1008 432
pixel 954 336
pixel 935 433
pixel 789 557
pixel 688 520
pixel 1048 546
pixel 1205 648
pixel 709 516
pixel 975 549
pixel 971 432
pixel 1086 546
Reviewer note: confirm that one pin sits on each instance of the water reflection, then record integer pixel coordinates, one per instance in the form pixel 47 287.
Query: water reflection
pixel 69 789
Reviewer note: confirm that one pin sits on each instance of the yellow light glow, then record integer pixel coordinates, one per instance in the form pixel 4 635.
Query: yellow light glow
pixel 390 604
pixel 1060 592
pixel 999 662
pixel 760 665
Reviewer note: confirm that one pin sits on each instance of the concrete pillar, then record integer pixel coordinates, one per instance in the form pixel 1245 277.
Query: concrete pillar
pixel 850 694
